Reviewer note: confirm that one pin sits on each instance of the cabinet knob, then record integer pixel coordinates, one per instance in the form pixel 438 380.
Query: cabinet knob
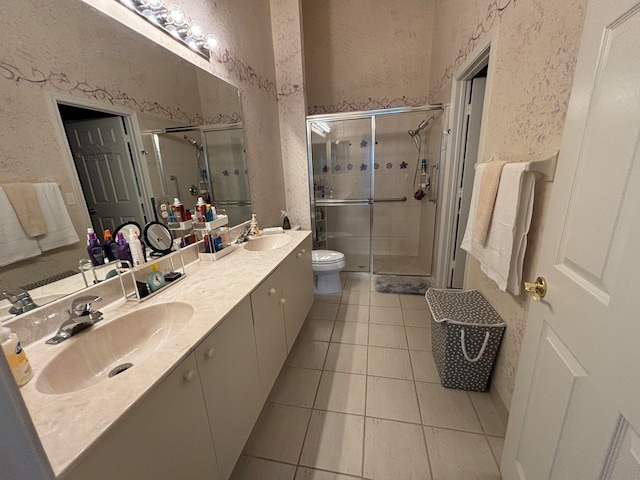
pixel 189 376
pixel 282 301
pixel 303 251
pixel 272 291
pixel 209 353
pixel 299 254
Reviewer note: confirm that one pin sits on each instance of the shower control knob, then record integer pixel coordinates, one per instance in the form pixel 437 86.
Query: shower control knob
pixel 189 376
pixel 272 291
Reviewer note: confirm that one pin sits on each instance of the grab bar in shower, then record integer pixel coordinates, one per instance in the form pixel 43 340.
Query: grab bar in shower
pixel 386 200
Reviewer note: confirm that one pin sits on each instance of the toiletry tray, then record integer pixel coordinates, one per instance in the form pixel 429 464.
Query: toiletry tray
pixel 220 221
pixel 181 226
pixel 211 257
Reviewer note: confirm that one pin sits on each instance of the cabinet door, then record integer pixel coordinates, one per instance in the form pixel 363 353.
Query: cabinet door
pixel 228 367
pixel 165 436
pixel 297 289
pixel 268 320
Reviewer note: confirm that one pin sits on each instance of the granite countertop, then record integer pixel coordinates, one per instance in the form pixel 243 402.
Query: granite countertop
pixel 69 423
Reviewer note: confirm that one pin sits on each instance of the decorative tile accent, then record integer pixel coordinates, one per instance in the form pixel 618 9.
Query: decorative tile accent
pixel 363 167
pixel 350 167
pixel 225 173
pixel 403 165
pixel 389 166
pixel 363 144
pixel 376 166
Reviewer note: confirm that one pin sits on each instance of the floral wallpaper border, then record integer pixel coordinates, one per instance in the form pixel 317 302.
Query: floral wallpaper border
pixel 63 83
pixel 368 104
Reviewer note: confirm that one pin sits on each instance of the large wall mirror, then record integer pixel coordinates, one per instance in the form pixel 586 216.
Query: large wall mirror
pixel 113 124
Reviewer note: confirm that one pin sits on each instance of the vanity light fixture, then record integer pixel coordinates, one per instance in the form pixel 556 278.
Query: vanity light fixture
pixel 174 21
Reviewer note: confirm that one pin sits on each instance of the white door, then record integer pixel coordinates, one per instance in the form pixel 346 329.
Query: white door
pixel 576 407
pixel 105 168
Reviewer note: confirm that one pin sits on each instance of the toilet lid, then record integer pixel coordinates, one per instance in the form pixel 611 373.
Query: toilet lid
pixel 326 256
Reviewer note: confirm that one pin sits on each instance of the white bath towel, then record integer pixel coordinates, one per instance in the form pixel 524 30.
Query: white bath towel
pixel 502 255
pixel 60 230
pixel 14 243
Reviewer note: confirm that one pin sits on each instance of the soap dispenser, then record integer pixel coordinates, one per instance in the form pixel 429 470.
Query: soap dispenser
pixel 255 229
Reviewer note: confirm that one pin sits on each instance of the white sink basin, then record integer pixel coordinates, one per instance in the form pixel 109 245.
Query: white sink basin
pixel 268 242
pixel 95 353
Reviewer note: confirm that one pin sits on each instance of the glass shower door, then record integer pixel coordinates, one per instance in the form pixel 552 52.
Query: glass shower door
pixel 341 157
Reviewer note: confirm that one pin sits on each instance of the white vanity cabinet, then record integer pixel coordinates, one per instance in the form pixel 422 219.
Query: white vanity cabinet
pixel 228 367
pixel 280 305
pixel 164 436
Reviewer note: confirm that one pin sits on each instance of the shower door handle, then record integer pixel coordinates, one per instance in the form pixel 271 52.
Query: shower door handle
pixel 388 200
pixel 433 183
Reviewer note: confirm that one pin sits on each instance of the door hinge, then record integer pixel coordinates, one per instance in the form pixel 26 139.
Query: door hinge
pixel 467 110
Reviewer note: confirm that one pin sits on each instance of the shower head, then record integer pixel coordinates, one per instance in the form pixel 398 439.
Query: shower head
pixel 193 142
pixel 423 124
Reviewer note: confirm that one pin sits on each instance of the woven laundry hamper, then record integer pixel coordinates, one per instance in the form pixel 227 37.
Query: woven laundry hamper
pixel 465 336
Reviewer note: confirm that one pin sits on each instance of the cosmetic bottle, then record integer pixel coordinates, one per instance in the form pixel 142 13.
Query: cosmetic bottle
pixel 208 213
pixel 201 210
pixel 135 248
pixel 16 358
pixel 178 210
pixel 109 247
pixel 94 249
pixel 423 166
pixel 124 251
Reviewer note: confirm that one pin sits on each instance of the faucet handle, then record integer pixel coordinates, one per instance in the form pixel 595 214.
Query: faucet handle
pixel 82 305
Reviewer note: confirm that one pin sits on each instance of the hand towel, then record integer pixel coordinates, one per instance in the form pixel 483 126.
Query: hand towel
pixel 502 257
pixel 490 180
pixel 14 243
pixel 25 203
pixel 60 230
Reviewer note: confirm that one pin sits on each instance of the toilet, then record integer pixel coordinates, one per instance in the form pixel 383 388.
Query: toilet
pixel 326 271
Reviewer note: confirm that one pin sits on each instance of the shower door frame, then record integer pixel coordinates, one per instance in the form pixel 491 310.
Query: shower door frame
pixel 358 115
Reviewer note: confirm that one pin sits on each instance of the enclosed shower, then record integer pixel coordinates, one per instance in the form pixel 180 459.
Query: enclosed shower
pixel 375 184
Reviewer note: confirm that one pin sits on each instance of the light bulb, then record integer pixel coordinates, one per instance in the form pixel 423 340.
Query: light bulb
pixel 210 42
pixel 196 30
pixel 176 15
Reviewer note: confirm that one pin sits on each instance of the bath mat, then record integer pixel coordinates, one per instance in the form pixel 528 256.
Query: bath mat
pixel 404 284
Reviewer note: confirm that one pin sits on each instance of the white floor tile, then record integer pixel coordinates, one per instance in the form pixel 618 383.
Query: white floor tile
pixel 416 318
pixel 424 366
pixel 311 474
pixel 250 468
pixel 319 330
pixel 362 284
pixel 334 442
pixel 413 301
pixel 351 332
pixel 419 338
pixel 385 315
pixel 489 418
pixel 385 299
pixel 394 450
pixel 342 392
pixel 444 407
pixel 355 297
pixel 497 446
pixel 307 354
pixel 279 433
pixel 460 456
pixel 392 399
pixel 296 387
pixel 323 311
pixel 353 313
pixel 387 336
pixel 389 362
pixel 328 298
pixel 346 358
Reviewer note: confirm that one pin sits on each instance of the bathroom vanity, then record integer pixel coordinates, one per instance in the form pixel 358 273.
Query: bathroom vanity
pixel 208 349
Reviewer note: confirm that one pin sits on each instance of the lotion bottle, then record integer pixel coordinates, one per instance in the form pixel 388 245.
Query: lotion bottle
pixel 16 358
pixel 124 251
pixel 94 249
pixel 135 247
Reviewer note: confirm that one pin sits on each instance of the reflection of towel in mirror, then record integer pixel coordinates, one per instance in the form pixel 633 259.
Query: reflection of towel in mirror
pixel 25 203
pixel 60 230
pixel 14 243
pixel 489 182
pixel 502 256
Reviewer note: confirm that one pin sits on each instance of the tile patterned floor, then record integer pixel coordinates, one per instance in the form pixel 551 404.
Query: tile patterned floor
pixel 360 398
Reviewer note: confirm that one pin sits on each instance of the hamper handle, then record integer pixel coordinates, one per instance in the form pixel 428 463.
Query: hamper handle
pixel 464 348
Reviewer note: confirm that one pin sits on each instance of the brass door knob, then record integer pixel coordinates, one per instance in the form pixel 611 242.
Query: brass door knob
pixel 537 289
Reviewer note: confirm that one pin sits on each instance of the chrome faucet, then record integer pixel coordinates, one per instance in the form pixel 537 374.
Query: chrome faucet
pixel 243 236
pixel 21 300
pixel 80 317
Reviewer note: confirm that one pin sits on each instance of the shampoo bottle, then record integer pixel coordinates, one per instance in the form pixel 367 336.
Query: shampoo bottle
pixel 16 358
pixel 135 248
pixel 94 249
pixel 109 247
pixel 124 251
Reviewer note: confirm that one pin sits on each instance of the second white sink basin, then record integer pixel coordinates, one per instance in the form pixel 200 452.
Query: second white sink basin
pixel 268 242
pixel 109 348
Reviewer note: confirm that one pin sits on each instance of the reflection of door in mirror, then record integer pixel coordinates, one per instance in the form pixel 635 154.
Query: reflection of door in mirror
pixel 105 167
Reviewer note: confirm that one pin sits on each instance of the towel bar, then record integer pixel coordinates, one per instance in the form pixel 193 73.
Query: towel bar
pixel 544 170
